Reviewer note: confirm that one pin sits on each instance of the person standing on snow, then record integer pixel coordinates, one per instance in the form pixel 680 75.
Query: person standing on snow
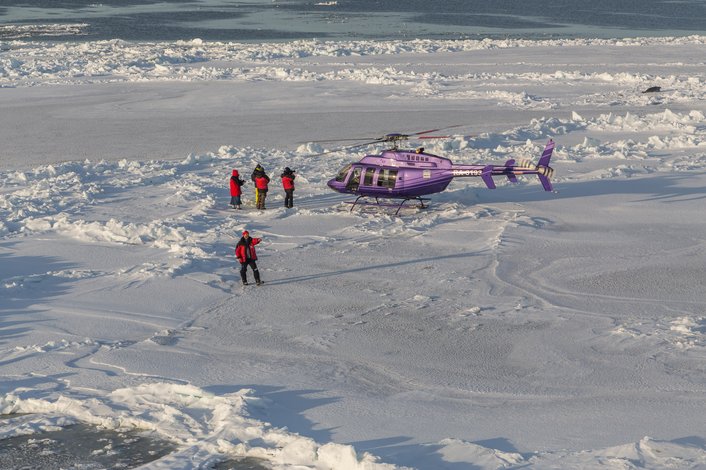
pixel 235 191
pixel 261 183
pixel 288 185
pixel 245 252
pixel 256 173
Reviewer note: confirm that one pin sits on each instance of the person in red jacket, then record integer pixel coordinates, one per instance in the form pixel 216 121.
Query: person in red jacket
pixel 288 185
pixel 245 252
pixel 261 182
pixel 259 170
pixel 235 191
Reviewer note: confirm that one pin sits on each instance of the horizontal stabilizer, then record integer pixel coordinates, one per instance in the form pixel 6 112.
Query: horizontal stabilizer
pixel 511 176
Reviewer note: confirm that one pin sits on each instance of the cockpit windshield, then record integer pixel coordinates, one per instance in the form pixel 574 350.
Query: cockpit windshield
pixel 341 176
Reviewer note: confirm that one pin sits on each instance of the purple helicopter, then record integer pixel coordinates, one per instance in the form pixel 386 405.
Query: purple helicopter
pixel 411 174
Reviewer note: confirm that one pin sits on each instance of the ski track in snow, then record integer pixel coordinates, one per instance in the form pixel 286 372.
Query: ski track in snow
pixel 125 310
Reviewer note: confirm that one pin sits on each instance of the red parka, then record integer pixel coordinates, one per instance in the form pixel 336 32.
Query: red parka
pixel 244 245
pixel 261 182
pixel 234 184
pixel 288 181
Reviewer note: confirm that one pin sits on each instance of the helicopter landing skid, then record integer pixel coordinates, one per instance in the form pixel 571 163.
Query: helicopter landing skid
pixel 398 206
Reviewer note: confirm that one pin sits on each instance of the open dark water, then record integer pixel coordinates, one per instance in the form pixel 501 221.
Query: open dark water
pixel 280 20
pixel 81 447
pixel 86 447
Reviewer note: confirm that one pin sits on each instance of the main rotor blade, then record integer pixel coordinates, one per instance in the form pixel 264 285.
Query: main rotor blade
pixel 336 140
pixel 393 137
pixel 439 129
pixel 349 147
pixel 386 137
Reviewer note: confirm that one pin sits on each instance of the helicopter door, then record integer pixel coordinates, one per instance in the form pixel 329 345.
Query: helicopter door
pixel 368 177
pixel 354 180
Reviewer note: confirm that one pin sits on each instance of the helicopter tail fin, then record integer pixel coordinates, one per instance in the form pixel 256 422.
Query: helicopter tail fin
pixel 544 171
pixel 547 154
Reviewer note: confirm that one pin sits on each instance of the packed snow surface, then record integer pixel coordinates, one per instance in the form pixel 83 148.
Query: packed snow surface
pixel 505 328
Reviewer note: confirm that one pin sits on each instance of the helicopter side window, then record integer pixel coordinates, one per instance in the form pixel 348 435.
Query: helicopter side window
pixel 341 176
pixel 368 178
pixel 387 178
pixel 354 180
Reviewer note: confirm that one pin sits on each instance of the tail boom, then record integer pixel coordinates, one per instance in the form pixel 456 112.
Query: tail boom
pixel 512 169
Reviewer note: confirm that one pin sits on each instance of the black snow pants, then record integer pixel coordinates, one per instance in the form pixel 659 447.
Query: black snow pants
pixel 288 198
pixel 244 270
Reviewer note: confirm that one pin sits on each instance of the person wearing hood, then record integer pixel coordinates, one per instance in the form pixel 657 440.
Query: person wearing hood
pixel 261 184
pixel 259 170
pixel 235 191
pixel 288 185
pixel 245 252
pixel 259 173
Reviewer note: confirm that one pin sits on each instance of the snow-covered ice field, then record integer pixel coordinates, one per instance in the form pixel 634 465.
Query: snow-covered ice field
pixel 505 328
